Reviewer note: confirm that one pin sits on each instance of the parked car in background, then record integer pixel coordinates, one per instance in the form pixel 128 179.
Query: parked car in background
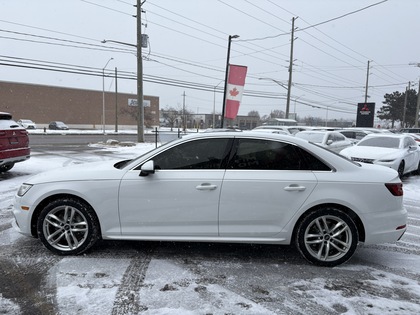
pixel 57 125
pixel 397 151
pixel 415 136
pixel 288 129
pixel 354 135
pixel 207 187
pixel 14 142
pixel 331 140
pixel 27 123
pixel 410 130
pixel 272 130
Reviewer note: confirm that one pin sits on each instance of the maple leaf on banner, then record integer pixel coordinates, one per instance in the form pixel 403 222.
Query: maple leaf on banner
pixel 234 92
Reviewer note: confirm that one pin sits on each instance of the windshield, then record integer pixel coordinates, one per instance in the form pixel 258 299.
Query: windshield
pixel 381 142
pixel 135 161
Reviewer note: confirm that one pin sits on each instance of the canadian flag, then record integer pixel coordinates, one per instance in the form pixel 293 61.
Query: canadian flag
pixel 234 90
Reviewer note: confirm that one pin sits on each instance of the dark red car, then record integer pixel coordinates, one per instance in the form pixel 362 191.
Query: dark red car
pixel 14 143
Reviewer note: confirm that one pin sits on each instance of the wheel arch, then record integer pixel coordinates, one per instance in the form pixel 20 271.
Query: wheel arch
pixel 358 222
pixel 49 199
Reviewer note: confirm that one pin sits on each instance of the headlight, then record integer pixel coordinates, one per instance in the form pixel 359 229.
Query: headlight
pixel 23 189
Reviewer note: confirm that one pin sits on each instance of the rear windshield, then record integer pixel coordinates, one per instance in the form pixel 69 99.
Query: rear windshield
pixel 5 116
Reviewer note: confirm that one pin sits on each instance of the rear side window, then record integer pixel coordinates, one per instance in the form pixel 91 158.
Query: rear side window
pixel 197 154
pixel 349 134
pixel 255 154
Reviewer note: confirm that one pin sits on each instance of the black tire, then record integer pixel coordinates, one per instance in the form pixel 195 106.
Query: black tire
pixel 401 169
pixel 327 237
pixel 68 226
pixel 6 167
pixel 418 169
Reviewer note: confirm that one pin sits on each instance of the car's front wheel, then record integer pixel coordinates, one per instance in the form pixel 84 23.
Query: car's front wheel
pixel 68 226
pixel 327 237
pixel 401 169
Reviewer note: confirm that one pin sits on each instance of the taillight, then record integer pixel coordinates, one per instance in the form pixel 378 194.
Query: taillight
pixel 395 188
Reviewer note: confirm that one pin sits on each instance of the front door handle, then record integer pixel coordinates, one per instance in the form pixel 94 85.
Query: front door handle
pixel 206 186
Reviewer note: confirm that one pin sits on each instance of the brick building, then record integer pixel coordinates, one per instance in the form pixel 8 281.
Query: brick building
pixel 75 107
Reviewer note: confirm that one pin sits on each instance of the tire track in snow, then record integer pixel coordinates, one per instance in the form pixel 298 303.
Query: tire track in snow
pixel 127 300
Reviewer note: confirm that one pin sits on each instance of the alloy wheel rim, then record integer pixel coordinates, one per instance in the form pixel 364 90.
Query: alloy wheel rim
pixel 328 238
pixel 65 228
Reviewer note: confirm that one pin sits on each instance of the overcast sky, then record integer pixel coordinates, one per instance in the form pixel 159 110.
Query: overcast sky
pixel 188 42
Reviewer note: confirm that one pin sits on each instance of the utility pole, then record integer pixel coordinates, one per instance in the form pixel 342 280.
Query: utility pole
pixel 289 85
pixel 405 103
pixel 417 108
pixel 416 118
pixel 140 113
pixel 367 82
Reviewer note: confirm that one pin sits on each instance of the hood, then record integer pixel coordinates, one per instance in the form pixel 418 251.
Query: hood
pixel 374 153
pixel 103 170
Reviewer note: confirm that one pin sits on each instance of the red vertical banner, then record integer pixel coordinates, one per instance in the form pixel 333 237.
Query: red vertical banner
pixel 234 90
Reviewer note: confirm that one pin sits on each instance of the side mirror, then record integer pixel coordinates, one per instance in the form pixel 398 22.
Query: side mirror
pixel 329 142
pixel 147 168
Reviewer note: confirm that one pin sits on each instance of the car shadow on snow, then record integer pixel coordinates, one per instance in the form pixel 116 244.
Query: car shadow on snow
pixel 197 250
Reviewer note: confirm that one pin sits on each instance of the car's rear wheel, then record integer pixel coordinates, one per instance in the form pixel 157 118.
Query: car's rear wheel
pixel 68 226
pixel 401 169
pixel 6 167
pixel 327 237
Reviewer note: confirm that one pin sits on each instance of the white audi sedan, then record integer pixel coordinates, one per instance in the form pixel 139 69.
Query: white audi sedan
pixel 397 151
pixel 243 187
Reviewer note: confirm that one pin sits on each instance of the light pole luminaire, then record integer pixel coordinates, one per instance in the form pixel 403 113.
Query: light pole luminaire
pixel 226 79
pixel 103 95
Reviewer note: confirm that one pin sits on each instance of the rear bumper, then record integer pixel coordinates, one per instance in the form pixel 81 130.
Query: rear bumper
pixel 14 155
pixel 385 227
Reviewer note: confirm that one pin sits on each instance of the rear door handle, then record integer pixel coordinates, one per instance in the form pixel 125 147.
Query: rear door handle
pixel 294 188
pixel 206 186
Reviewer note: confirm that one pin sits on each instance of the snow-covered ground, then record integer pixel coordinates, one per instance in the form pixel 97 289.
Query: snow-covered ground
pixel 168 278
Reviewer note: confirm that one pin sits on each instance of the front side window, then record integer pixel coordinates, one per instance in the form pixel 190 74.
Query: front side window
pixel 255 154
pixel 196 154
pixel 409 142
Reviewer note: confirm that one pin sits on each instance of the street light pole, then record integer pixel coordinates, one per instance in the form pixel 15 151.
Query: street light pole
pixel 226 78
pixel 103 95
pixel 116 100
pixel 140 96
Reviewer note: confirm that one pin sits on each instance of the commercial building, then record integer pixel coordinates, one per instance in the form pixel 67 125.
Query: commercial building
pixel 77 108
